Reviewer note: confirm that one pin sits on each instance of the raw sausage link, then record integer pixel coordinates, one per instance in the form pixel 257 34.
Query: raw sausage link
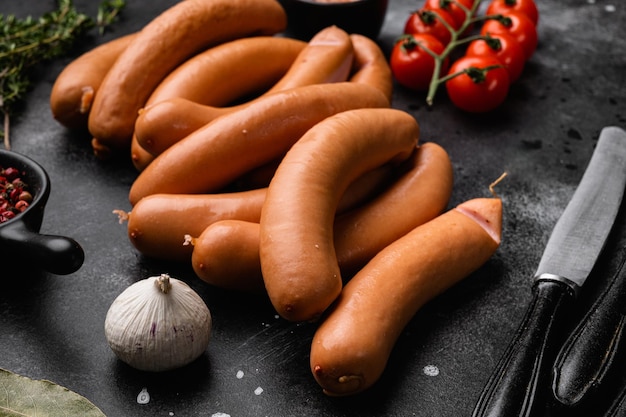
pixel 297 251
pixel 248 138
pixel 164 43
pixel 74 89
pixel 351 347
pixel 326 58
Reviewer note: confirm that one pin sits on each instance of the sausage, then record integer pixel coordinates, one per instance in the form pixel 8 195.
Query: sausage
pixel 298 258
pixel 351 347
pixel 74 88
pixel 164 43
pixel 258 177
pixel 214 249
pixel 139 157
pixel 162 124
pixel 248 138
pixel 158 223
pixel 420 192
pixel 326 58
pixel 165 123
pixel 370 65
pixel 230 71
pixel 229 248
pixel 217 77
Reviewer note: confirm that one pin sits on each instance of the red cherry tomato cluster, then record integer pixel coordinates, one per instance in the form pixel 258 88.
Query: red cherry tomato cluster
pixel 495 54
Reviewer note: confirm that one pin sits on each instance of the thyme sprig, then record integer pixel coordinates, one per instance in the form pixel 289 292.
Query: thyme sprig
pixel 26 43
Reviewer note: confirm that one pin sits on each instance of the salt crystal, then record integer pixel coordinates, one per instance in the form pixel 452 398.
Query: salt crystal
pixel 143 397
pixel 431 370
pixel 258 391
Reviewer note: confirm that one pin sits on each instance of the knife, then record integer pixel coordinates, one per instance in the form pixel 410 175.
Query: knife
pixel 618 407
pixel 516 386
pixel 592 355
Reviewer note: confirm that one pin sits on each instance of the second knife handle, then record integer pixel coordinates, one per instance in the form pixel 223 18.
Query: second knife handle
pixel 593 353
pixel 518 385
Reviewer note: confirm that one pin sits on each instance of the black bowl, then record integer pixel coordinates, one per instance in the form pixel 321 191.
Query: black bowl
pixel 20 239
pixel 307 17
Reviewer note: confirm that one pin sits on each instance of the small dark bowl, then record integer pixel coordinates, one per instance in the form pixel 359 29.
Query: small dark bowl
pixel 307 17
pixel 20 239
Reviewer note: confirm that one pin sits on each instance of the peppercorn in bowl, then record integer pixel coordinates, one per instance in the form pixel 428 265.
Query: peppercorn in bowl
pixel 24 192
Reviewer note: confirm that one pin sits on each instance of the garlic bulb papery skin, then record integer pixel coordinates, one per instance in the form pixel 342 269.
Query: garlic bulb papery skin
pixel 158 324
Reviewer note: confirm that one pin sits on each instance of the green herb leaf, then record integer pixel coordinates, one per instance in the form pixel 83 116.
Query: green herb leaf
pixel 21 396
pixel 26 43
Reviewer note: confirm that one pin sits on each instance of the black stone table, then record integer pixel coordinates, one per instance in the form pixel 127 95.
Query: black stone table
pixel 51 327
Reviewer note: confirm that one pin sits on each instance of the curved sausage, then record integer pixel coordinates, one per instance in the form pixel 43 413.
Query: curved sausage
pixel 298 258
pixel 75 86
pixel 351 347
pixel 370 65
pixel 230 71
pixel 326 58
pixel 216 77
pixel 165 42
pixel 248 138
pixel 419 192
pixel 158 224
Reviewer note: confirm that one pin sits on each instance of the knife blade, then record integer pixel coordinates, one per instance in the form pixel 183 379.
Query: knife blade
pixel 516 386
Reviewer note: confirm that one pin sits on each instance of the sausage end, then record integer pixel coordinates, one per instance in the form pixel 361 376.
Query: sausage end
pixel 338 386
pixel 486 212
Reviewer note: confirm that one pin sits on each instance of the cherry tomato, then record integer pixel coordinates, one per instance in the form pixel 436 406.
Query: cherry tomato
pixel 516 24
pixel 430 21
pixel 452 7
pixel 411 65
pixel 528 7
pixel 504 47
pixel 478 90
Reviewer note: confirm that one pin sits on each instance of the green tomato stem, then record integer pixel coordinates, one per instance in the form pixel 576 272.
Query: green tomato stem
pixel 455 41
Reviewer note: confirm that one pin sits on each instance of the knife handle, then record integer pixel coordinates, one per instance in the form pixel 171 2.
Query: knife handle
pixel 618 407
pixel 516 387
pixel 588 358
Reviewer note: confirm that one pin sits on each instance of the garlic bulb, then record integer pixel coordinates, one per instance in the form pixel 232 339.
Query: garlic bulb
pixel 158 324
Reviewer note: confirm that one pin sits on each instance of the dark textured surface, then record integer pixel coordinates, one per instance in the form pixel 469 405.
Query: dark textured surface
pixel 51 327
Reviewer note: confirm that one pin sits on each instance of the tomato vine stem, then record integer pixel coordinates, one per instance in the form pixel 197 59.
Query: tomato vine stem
pixel 457 39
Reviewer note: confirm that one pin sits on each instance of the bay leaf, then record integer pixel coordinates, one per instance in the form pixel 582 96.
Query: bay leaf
pixel 25 397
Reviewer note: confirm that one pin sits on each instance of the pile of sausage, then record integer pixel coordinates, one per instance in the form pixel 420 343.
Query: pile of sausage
pixel 279 165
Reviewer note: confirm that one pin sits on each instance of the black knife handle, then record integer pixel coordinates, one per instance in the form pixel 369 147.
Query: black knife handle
pixel 618 407
pixel 586 360
pixel 516 387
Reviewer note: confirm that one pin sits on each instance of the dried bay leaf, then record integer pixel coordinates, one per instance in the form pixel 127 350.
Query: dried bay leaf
pixel 25 397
